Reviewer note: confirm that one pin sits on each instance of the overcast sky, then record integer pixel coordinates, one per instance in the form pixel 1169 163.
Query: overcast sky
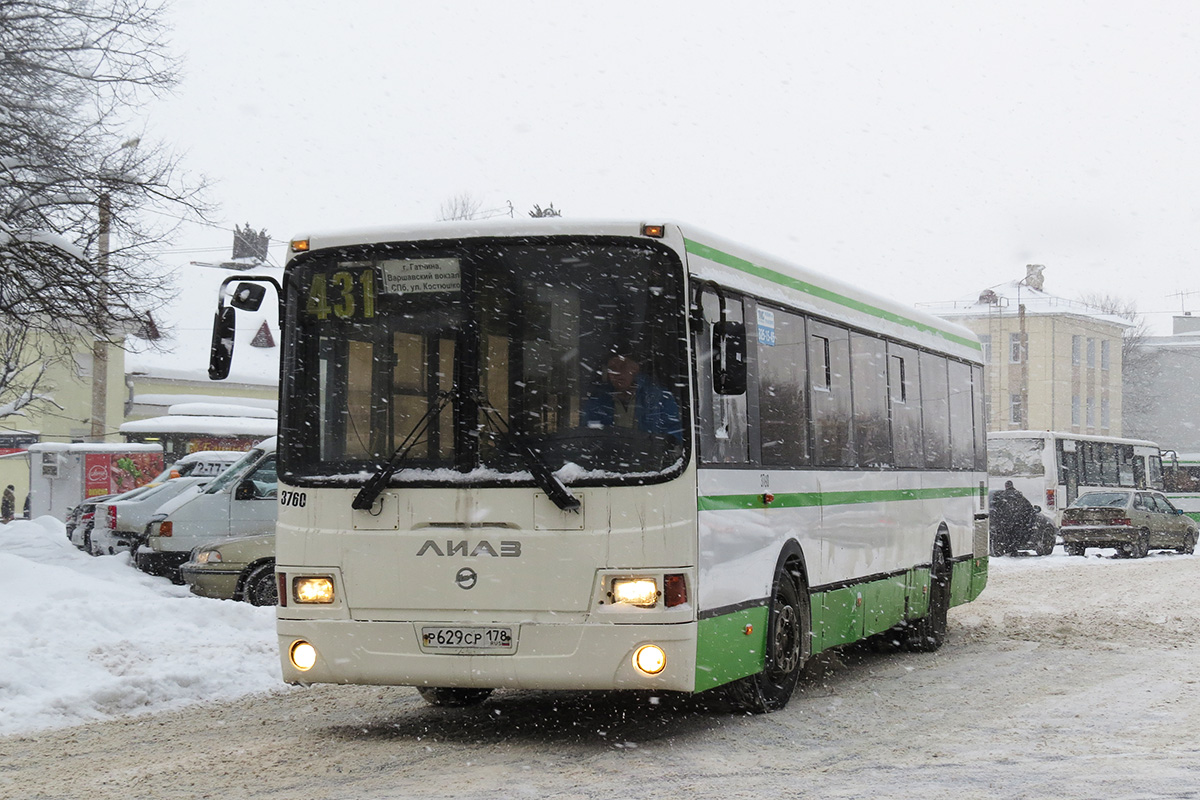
pixel 926 150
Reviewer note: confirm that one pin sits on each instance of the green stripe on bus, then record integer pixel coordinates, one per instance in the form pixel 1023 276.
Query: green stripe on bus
pixel 734 502
pixel 768 274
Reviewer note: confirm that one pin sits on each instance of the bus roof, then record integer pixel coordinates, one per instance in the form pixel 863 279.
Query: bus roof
pixel 714 258
pixel 1083 437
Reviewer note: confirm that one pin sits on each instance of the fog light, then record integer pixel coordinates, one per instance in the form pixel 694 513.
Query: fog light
pixel 650 659
pixel 303 655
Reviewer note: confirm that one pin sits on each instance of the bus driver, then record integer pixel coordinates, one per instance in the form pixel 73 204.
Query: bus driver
pixel 628 399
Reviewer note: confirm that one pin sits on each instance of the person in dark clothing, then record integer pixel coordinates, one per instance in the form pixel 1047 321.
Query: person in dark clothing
pixel 1012 520
pixel 629 399
pixel 8 506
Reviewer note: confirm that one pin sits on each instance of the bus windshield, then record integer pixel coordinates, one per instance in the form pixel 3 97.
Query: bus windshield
pixel 456 359
pixel 1016 457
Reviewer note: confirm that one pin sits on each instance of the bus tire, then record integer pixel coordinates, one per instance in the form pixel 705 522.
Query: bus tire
pixel 927 634
pixel 452 697
pixel 787 646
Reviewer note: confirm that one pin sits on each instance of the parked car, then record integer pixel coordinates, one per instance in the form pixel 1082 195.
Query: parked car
pixel 1131 520
pixel 119 524
pixel 239 502
pixel 242 568
pixel 80 520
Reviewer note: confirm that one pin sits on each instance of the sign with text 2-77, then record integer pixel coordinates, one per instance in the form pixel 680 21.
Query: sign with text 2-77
pixel 113 473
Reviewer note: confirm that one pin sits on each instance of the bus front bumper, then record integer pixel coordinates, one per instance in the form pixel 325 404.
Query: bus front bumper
pixel 556 657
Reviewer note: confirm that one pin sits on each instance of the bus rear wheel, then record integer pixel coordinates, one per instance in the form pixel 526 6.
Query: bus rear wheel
pixel 452 697
pixel 787 648
pixel 927 634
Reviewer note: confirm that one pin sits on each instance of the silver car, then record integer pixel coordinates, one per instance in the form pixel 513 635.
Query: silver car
pixel 1134 521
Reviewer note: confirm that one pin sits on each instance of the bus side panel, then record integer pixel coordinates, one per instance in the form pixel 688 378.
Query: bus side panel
pixel 867 536
pixel 838 617
pixel 730 646
pixel 884 604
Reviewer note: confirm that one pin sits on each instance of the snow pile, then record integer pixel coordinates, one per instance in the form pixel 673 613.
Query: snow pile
pixel 93 638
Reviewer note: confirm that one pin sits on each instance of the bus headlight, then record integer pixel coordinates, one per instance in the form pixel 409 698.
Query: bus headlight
pixel 634 591
pixel 650 659
pixel 303 655
pixel 313 590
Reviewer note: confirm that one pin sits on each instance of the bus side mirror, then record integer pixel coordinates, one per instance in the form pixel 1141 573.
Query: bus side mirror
pixel 248 296
pixel 729 357
pixel 220 353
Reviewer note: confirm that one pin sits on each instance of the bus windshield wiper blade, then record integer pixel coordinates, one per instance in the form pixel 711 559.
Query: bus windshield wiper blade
pixel 546 480
pixel 383 475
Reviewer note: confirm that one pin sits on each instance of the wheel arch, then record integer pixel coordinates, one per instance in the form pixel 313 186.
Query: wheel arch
pixel 791 560
pixel 942 539
pixel 251 569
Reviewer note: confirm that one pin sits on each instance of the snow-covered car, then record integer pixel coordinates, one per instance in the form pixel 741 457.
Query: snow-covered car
pixel 234 569
pixel 119 524
pixel 1133 521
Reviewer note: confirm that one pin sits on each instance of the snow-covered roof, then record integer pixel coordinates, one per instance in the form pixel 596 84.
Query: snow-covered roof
pixel 186 324
pixel 220 410
pixel 1009 296
pixel 210 426
pixel 93 447
pixel 168 400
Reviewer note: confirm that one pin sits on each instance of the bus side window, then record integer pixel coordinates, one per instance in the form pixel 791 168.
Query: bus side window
pixel 782 384
pixel 904 393
pixel 721 419
pixel 829 379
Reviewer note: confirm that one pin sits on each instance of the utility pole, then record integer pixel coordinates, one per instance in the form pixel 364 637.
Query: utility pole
pixel 100 345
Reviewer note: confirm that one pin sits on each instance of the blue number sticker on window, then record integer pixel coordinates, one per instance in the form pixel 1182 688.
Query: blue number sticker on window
pixel 766 327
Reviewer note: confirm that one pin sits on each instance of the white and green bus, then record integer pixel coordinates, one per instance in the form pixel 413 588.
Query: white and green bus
pixel 558 455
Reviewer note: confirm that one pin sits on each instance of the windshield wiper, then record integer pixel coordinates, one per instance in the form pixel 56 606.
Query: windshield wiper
pixel 378 482
pixel 546 480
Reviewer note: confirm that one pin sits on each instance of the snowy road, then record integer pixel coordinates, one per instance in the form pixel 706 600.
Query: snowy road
pixel 1069 678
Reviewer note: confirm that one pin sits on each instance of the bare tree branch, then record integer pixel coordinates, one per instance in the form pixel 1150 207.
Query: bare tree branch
pixel 73 74
pixel 1132 352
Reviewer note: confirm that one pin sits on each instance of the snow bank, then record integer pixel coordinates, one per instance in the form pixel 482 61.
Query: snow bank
pixel 86 638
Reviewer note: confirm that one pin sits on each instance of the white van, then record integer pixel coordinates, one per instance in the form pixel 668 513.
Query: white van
pixel 239 502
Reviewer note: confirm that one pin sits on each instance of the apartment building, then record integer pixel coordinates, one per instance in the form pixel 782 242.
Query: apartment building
pixel 1052 363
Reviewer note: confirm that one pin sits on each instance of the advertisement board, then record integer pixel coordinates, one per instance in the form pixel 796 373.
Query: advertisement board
pixel 113 473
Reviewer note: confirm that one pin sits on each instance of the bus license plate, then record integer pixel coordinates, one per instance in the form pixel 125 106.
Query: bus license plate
pixel 468 639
